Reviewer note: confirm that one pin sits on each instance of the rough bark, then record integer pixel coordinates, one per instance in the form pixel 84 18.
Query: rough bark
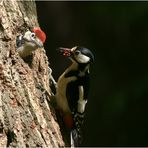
pixel 26 120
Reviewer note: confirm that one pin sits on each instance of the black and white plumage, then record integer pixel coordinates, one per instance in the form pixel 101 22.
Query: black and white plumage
pixel 72 90
pixel 30 41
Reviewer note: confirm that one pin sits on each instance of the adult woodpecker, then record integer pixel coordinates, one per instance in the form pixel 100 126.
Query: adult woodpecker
pixel 72 90
pixel 30 41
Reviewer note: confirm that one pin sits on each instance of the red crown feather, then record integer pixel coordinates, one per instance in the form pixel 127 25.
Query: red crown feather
pixel 40 34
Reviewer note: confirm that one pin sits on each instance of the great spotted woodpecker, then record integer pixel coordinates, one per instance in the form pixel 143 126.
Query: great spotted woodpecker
pixel 72 90
pixel 30 41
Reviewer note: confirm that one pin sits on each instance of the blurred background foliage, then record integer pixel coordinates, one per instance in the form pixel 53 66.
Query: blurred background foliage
pixel 117 33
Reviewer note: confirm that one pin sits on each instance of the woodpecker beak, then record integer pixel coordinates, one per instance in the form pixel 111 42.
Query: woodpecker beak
pixel 65 51
pixel 38 43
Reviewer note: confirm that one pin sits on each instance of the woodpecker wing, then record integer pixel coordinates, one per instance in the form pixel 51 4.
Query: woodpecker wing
pixel 73 93
pixel 77 93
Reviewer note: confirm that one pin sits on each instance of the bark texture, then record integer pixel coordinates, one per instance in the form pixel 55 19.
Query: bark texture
pixel 26 120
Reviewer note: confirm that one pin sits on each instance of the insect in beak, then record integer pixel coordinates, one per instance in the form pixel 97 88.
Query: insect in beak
pixel 65 51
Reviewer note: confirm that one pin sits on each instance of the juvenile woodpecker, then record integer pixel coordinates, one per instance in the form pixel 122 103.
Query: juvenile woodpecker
pixel 30 41
pixel 72 90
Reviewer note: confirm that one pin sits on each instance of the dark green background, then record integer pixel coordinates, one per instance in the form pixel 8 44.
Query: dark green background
pixel 117 34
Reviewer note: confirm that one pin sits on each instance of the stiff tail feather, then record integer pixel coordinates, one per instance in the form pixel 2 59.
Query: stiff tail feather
pixel 75 138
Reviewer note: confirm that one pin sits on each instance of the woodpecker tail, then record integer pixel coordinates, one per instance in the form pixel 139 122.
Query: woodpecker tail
pixel 75 138
pixel 76 133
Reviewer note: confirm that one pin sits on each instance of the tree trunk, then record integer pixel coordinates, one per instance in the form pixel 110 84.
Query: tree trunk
pixel 26 120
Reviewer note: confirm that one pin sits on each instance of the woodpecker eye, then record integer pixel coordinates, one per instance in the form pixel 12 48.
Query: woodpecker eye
pixel 77 52
pixel 33 35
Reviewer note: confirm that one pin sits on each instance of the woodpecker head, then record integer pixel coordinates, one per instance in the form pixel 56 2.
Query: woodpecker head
pixel 30 41
pixel 35 37
pixel 79 54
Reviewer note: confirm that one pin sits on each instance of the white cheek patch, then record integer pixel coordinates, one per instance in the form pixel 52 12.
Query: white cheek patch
pixel 82 58
pixel 34 40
